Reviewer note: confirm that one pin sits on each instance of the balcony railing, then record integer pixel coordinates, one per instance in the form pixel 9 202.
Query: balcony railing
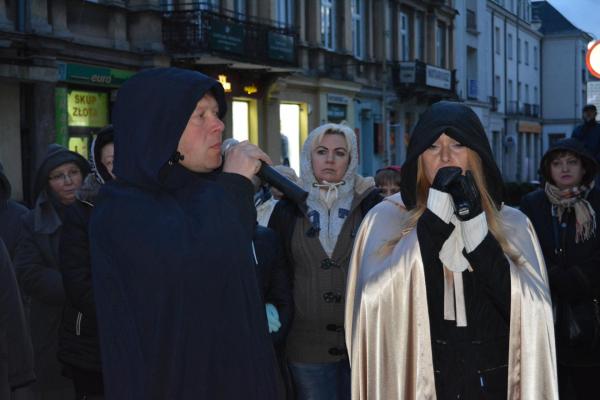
pixel 524 109
pixel 196 28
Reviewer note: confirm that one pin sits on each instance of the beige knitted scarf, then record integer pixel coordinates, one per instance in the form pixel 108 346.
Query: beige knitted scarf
pixel 575 198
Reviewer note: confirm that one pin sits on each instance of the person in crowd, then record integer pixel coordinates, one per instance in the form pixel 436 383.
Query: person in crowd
pixel 10 215
pixel 317 245
pixel 178 306
pixel 388 180
pixel 564 214
pixel 79 347
pixel 269 196
pixel 37 264
pixel 447 292
pixel 589 131
pixel 102 155
pixel 16 363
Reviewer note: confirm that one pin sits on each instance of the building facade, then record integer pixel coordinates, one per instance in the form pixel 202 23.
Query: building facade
pixel 498 73
pixel 564 73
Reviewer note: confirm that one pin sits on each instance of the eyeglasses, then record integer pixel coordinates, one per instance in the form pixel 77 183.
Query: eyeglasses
pixel 389 190
pixel 65 176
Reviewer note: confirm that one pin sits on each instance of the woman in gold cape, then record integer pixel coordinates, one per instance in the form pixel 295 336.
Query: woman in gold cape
pixel 387 312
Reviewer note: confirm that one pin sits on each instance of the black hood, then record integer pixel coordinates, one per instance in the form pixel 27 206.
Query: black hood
pixel 151 112
pixel 105 136
pixel 5 188
pixel 57 155
pixel 573 146
pixel 460 123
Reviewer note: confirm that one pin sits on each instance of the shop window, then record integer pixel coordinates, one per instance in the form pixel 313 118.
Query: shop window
pixel 290 123
pixel 241 120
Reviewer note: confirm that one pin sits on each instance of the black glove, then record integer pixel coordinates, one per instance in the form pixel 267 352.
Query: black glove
pixel 445 177
pixel 466 197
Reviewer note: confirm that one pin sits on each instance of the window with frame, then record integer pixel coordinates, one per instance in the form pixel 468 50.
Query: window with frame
pixel 403 34
pixel 535 57
pixel 328 24
pixel 358 31
pixel 285 12
pixel 526 52
pixel 509 46
pixel 497 40
pixel 419 36
pixel 519 51
pixel 440 44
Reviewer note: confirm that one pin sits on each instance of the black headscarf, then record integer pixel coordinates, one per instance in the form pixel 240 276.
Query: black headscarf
pixel 460 123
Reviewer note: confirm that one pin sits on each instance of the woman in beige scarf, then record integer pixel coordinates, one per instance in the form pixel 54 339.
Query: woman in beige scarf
pixel 564 215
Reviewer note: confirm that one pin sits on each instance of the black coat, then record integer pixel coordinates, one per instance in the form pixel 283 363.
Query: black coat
pixel 178 306
pixel 470 361
pixel 10 215
pixel 16 362
pixel 274 279
pixel 78 338
pixel 578 279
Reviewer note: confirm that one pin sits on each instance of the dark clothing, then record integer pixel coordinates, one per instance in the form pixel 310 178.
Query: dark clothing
pixel 16 361
pixel 589 134
pixel 79 346
pixel 179 310
pixel 470 362
pixel 37 267
pixel 274 280
pixel 578 383
pixel 575 276
pixel 317 334
pixel 10 215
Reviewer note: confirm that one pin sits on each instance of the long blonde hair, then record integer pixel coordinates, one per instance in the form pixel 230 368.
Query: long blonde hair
pixel 495 224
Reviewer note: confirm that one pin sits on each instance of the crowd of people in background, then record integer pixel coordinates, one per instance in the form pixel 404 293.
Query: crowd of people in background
pixel 320 305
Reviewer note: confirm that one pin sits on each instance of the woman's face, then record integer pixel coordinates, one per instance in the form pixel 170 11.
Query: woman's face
pixel 64 181
pixel 567 171
pixel 330 158
pixel 444 152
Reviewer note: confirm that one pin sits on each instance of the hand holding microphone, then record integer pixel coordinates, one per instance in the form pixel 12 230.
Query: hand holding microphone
pixel 248 160
pixel 243 158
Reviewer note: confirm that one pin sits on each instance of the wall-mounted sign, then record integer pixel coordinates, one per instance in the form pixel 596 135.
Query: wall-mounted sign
pixel 407 72
pixel 337 98
pixel 336 113
pixel 92 75
pixel 281 47
pixel 592 58
pixel 88 109
pixel 226 36
pixel 438 77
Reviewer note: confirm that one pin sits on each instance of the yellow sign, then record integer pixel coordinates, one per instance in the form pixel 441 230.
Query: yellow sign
pixel 226 85
pixel 88 109
pixel 251 89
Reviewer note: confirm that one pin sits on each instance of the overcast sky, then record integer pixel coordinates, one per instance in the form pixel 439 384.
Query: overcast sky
pixel 584 14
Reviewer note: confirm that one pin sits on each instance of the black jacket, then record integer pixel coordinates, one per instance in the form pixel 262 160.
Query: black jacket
pixel 16 362
pixel 179 311
pixel 274 279
pixel 10 215
pixel 574 277
pixel 78 338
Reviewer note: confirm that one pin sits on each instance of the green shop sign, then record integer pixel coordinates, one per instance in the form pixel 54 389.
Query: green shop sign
pixel 281 47
pixel 226 36
pixel 91 75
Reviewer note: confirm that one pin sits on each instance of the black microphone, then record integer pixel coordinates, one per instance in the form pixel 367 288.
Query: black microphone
pixel 268 174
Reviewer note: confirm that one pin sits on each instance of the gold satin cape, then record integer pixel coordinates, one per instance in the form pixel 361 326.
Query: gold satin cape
pixel 387 322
